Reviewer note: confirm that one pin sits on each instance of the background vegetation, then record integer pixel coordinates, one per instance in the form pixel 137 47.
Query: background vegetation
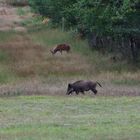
pixel 109 26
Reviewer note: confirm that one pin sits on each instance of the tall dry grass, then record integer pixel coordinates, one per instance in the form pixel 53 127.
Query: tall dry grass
pixel 27 59
pixel 100 66
pixel 28 55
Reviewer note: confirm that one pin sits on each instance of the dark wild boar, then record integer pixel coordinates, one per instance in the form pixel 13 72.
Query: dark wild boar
pixel 81 86
pixel 60 48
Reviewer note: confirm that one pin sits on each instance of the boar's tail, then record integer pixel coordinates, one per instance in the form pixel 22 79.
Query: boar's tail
pixel 99 84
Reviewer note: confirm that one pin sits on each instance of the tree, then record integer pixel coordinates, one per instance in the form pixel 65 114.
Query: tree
pixel 54 9
pixel 108 24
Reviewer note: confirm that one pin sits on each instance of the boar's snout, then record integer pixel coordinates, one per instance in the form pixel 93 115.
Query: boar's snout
pixel 69 90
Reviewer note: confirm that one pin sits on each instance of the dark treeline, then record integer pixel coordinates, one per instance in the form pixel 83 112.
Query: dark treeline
pixel 109 25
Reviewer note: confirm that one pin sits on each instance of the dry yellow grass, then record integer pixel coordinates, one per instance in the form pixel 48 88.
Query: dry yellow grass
pixel 28 59
pixel 37 71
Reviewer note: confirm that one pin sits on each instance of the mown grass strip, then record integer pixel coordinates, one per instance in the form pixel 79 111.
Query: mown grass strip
pixel 31 117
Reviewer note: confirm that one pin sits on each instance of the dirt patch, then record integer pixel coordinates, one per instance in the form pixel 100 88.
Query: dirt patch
pixel 10 20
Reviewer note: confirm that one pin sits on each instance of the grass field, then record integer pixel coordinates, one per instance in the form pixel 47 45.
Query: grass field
pixel 28 68
pixel 71 118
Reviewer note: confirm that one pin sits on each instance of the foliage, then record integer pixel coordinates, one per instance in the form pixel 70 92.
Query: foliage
pixel 54 9
pixel 98 19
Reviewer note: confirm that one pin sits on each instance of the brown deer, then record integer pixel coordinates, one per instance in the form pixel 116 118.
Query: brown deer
pixel 60 48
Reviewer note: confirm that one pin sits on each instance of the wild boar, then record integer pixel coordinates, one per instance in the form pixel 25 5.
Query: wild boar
pixel 60 48
pixel 81 86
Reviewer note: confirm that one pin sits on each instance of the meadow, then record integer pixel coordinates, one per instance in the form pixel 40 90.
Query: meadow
pixel 33 83
pixel 72 118
pixel 28 55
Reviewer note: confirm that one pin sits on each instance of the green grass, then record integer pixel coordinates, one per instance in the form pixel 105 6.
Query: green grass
pixel 50 37
pixel 129 82
pixel 3 56
pixel 29 21
pixel 71 118
pixel 32 21
pixel 6 76
pixel 6 36
pixel 20 11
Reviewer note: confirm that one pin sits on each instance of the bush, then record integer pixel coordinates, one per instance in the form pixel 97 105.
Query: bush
pixel 98 20
pixel 53 9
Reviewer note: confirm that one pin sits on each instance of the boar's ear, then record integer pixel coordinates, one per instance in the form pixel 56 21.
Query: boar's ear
pixel 69 85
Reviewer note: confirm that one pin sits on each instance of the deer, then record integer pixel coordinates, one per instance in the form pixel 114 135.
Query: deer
pixel 60 48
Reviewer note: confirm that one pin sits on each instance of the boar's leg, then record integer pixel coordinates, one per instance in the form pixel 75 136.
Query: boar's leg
pixel 83 92
pixel 69 92
pixel 76 92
